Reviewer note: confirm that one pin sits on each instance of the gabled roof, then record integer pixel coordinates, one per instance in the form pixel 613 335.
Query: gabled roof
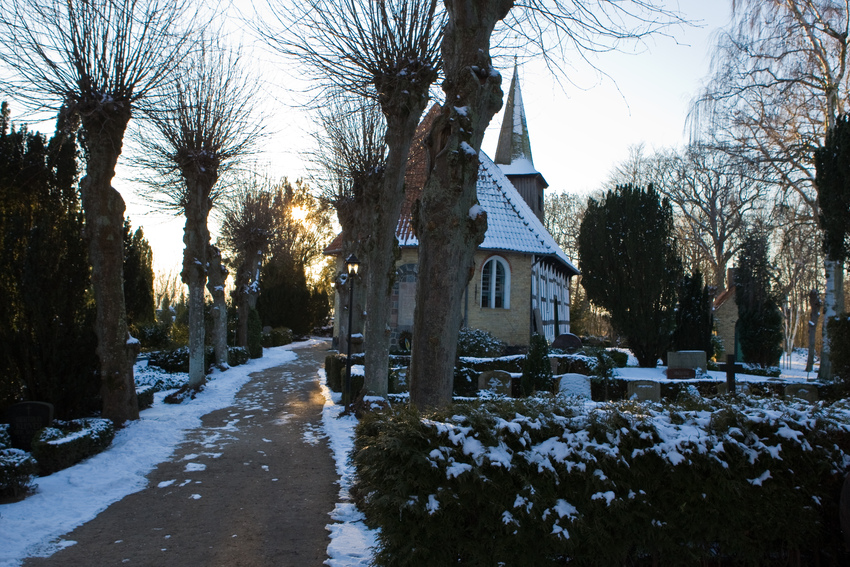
pixel 511 224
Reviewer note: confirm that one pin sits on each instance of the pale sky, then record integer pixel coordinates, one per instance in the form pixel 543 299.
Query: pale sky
pixel 578 132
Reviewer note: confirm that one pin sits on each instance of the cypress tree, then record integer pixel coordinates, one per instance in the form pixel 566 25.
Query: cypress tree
pixel 759 318
pixel 138 278
pixel 694 320
pixel 832 169
pixel 46 316
pixel 630 266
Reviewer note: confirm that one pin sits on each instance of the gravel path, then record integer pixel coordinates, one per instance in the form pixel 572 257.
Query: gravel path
pixel 252 487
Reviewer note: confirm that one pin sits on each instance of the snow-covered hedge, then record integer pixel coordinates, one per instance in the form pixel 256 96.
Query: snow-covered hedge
pixel 17 468
pixel 66 443
pixel 529 482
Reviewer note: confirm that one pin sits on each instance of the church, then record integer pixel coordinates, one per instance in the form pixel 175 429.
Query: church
pixel 521 281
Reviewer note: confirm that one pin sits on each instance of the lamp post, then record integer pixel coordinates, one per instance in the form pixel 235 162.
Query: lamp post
pixel 351 266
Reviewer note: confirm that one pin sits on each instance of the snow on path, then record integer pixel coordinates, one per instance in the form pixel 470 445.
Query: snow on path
pixel 69 498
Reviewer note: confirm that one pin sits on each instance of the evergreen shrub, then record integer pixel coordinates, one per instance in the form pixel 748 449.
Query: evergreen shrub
pixel 478 343
pixel 537 371
pixel 144 394
pixel 255 334
pixel 177 360
pixel 17 468
pixel 66 443
pixel 838 329
pixel 237 356
pixel 535 482
pixel 279 336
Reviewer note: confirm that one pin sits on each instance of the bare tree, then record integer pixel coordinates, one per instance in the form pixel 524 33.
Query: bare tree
pixel 349 165
pixel 247 228
pixel 387 51
pixel 448 227
pixel 779 83
pixel 94 62
pixel 204 126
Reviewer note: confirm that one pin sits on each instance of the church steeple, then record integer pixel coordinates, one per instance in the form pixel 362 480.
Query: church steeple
pixel 513 152
pixel 514 143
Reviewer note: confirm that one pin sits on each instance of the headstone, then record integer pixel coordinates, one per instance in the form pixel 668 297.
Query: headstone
pixel 687 359
pixel 681 373
pixel 497 381
pixel 644 391
pixel 554 363
pixel 808 392
pixel 740 387
pixel 567 341
pixel 573 385
pixel 25 420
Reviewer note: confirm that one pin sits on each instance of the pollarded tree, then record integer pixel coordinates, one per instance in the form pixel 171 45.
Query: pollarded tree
pixel 759 328
pixel 94 62
pixel 447 224
pixel 203 126
pixel 631 268
pixel 248 227
pixel 387 52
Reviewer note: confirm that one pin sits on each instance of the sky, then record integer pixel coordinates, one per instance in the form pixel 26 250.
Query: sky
pixel 71 497
pixel 578 130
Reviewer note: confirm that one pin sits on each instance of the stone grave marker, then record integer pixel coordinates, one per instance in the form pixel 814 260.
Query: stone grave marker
pixel 573 385
pixel 644 391
pixel 680 373
pixel 497 381
pixel 808 392
pixel 687 359
pixel 567 341
pixel 25 419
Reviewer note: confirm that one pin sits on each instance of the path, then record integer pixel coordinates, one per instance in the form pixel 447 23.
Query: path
pixel 252 487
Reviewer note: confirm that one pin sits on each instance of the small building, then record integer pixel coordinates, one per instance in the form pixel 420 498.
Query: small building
pixel 522 277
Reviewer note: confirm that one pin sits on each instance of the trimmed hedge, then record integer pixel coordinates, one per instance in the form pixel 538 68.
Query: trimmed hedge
pixel 145 395
pixel 279 336
pixel 66 443
pixel 237 356
pixel 532 482
pixel 17 468
pixel 478 343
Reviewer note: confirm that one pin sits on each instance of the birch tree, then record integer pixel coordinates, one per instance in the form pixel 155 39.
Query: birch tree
pixel 389 52
pixel 203 127
pixel 778 86
pixel 93 63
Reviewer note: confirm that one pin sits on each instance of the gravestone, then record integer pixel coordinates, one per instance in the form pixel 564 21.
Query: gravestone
pixel 644 391
pixel 680 373
pixel 567 342
pixel 808 392
pixel 740 388
pixel 687 359
pixel 573 385
pixel 497 381
pixel 25 419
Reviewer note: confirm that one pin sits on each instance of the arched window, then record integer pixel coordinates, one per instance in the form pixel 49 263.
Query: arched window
pixel 496 284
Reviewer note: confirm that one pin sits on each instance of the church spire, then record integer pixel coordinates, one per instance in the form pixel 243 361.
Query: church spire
pixel 514 146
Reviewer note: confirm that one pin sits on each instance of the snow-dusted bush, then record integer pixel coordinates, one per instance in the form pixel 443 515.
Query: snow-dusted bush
pixel 529 482
pixel 279 336
pixel 478 343
pixel 17 467
pixel 237 356
pixel 66 443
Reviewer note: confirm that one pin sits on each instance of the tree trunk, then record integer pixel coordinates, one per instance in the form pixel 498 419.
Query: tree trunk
pixel 216 275
pixel 833 305
pixel 381 253
pixel 447 229
pixel 247 291
pixel 814 315
pixel 196 238
pixel 104 215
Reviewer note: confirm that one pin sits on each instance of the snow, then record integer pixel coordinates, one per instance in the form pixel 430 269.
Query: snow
pixel 69 498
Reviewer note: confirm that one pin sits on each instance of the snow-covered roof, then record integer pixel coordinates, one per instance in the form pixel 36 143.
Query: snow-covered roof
pixel 511 224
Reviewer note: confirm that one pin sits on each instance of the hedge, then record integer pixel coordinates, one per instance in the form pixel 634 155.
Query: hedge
pixel 17 468
pixel 66 443
pixel 531 482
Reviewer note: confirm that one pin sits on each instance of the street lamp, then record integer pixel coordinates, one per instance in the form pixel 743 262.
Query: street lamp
pixel 351 266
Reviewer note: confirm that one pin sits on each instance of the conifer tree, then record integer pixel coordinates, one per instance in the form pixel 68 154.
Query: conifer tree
pixel 694 320
pixel 759 327
pixel 138 277
pixel 631 268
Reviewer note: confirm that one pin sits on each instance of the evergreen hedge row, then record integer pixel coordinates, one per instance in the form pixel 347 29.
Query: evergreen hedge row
pixel 839 342
pixel 66 443
pixel 17 467
pixel 532 482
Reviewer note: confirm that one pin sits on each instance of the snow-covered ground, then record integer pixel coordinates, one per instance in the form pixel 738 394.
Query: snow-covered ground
pixel 72 497
pixel 69 498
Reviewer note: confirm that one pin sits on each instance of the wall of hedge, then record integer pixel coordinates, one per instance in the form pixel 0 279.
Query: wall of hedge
pixel 535 482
